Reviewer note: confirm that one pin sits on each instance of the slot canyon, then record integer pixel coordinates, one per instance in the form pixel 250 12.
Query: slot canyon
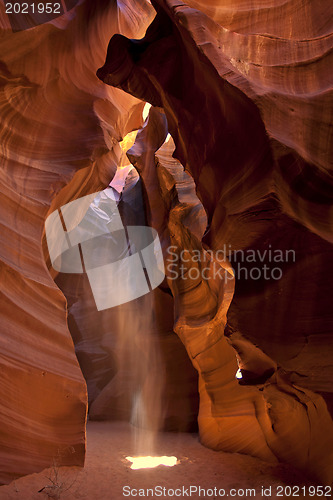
pixel 166 248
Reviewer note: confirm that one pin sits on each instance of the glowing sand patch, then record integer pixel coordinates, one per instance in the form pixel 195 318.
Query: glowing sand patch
pixel 239 374
pixel 151 462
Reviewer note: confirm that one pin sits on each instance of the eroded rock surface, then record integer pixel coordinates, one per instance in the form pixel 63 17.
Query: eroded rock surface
pixel 242 107
pixel 246 93
pixel 59 123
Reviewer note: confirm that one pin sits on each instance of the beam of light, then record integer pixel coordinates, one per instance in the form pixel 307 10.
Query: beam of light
pixel 151 462
pixel 239 374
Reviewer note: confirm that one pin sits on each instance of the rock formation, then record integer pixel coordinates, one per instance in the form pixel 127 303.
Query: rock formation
pixel 227 98
pixel 246 93
pixel 60 128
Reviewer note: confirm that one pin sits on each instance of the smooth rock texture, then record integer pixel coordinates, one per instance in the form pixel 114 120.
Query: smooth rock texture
pixel 276 418
pixel 246 92
pixel 264 182
pixel 60 127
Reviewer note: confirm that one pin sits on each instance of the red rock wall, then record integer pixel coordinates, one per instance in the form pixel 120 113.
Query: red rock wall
pixel 57 119
pixel 242 106
pixel 246 94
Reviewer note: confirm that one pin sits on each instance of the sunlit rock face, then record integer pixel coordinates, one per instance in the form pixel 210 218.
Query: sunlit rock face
pixel 245 91
pixel 246 94
pixel 59 128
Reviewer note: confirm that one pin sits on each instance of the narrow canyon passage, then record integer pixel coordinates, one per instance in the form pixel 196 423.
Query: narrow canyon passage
pixel 135 367
pixel 166 246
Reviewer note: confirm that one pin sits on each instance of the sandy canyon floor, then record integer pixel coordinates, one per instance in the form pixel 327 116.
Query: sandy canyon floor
pixel 107 474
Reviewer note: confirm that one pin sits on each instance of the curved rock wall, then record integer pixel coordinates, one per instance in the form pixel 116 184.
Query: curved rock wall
pixel 242 106
pixel 59 124
pixel 246 95
pixel 270 418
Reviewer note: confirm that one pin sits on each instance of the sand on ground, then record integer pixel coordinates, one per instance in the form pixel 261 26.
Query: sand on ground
pixel 107 474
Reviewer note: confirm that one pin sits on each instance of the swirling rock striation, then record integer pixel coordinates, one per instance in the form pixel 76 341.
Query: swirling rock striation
pixel 246 92
pixel 228 95
pixel 60 127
